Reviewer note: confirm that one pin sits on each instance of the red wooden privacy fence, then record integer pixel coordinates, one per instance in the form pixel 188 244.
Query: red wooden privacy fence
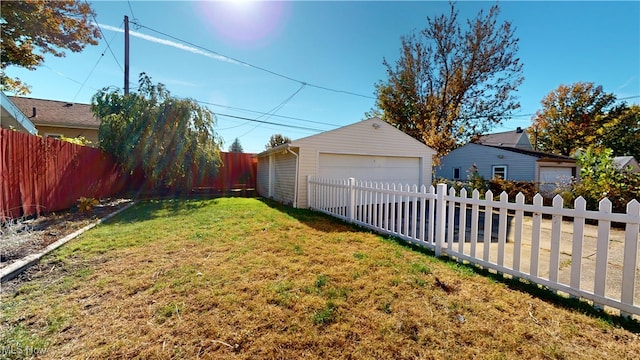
pixel 237 172
pixel 39 175
pixel 43 174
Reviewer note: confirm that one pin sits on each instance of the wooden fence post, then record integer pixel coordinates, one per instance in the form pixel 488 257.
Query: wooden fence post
pixel 441 217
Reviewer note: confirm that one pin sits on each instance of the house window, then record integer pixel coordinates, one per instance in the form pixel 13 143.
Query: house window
pixel 53 136
pixel 456 173
pixel 499 171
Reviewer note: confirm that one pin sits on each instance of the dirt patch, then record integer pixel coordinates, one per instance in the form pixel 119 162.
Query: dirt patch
pixel 22 237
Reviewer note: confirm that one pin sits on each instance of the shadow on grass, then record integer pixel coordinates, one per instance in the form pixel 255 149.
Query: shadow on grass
pixel 316 220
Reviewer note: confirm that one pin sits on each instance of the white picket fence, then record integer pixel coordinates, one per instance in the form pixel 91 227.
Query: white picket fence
pixel 593 262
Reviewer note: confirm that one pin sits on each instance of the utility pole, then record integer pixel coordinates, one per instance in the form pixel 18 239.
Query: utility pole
pixel 126 55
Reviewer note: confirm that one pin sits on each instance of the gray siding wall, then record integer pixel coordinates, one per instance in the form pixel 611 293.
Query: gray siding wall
pixel 262 177
pixel 519 166
pixel 284 175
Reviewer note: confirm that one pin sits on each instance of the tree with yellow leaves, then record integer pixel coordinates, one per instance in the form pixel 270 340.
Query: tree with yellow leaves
pixel 570 118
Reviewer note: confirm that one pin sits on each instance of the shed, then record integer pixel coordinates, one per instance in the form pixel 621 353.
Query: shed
pixel 370 150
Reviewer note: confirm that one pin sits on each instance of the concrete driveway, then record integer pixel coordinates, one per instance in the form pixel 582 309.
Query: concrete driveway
pixel 615 257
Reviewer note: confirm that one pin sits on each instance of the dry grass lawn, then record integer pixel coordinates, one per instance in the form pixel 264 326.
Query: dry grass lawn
pixel 240 278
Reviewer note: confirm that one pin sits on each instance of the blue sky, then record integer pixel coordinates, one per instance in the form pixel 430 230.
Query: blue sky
pixel 338 46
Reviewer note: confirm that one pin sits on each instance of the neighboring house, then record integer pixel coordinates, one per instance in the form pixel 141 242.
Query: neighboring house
pixel 515 138
pixel 627 161
pixel 369 150
pixel 59 118
pixel 513 160
pixel 11 117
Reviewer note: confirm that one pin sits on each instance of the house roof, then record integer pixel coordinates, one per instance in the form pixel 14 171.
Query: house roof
pixel 539 154
pixel 13 117
pixel 506 138
pixel 56 113
pixel 374 123
pixel 624 161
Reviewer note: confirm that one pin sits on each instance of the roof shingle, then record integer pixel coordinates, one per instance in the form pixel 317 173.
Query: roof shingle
pixel 56 113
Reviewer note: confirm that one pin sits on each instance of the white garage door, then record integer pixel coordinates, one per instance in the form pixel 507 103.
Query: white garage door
pixel 556 175
pixel 551 177
pixel 404 170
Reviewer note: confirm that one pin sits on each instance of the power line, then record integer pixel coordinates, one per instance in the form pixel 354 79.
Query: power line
pixel 263 113
pixel 102 33
pixel 93 69
pixel 130 9
pixel 269 122
pixel 275 109
pixel 254 66
pixel 64 75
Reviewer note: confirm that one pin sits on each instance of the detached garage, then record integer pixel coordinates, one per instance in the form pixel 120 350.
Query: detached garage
pixel 370 150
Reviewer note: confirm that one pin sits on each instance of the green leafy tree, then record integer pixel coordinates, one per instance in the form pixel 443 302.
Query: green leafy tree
pixel 600 177
pixel 621 131
pixel 277 140
pixel 450 82
pixel 172 140
pixel 235 146
pixel 570 118
pixel 31 29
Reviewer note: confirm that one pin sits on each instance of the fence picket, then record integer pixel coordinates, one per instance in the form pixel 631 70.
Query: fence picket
pixel 414 213
pixel 451 216
pixel 602 250
pixel 405 212
pixel 502 227
pixel 556 229
pixel 488 221
pixel 517 234
pixel 535 235
pixel 432 216
pixel 629 263
pixel 462 228
pixel 580 206
pixel 399 209
pixel 475 209
pixel 441 213
pixel 423 219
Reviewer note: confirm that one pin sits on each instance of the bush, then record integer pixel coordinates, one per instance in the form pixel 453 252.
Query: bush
pixel 512 188
pixel 600 178
pixel 86 204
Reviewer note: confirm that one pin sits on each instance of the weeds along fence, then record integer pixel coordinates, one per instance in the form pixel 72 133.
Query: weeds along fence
pixel 552 246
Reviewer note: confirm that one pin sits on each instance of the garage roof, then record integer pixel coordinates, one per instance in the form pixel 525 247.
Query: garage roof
pixel 389 131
